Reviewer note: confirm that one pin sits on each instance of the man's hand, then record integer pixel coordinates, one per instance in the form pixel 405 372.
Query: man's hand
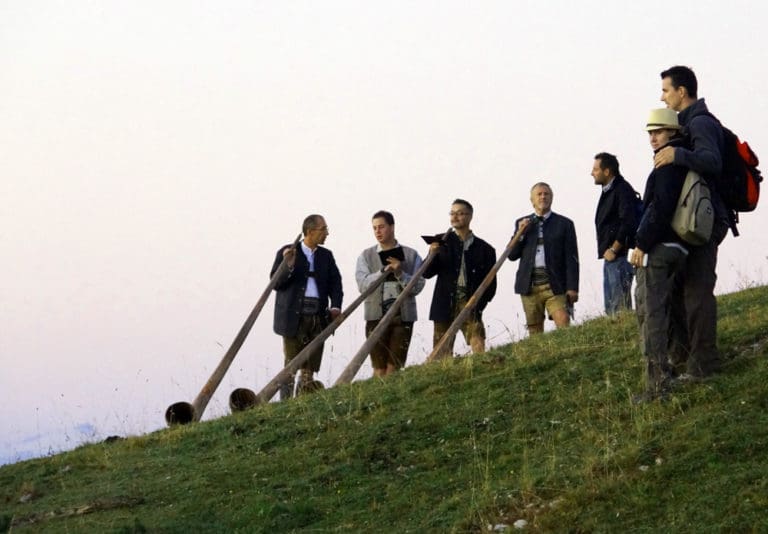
pixel 289 255
pixel 638 256
pixel 572 296
pixel 335 312
pixel 665 156
pixel 434 246
pixel 395 265
pixel 522 226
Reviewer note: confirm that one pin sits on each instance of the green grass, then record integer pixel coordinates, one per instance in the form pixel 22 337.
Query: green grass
pixel 541 430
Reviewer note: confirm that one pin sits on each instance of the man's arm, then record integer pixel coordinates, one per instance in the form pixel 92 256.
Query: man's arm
pixel 335 291
pixel 364 273
pixel 405 276
pixel 441 253
pixel 627 218
pixel 287 277
pixel 706 138
pixel 571 262
pixel 490 261
pixel 517 250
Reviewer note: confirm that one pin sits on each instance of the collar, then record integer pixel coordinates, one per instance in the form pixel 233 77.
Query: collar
pixel 466 242
pixel 379 249
pixel 469 240
pixel 307 251
pixel 607 187
pixel 699 107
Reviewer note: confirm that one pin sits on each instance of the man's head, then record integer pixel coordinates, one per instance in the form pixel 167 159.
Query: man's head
pixel 383 223
pixel 605 168
pixel 315 230
pixel 662 126
pixel 678 87
pixel 541 198
pixel 461 214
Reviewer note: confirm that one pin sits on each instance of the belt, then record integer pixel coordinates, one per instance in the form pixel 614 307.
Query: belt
pixel 310 306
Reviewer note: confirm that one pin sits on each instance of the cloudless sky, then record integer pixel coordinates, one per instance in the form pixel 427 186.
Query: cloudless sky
pixel 155 155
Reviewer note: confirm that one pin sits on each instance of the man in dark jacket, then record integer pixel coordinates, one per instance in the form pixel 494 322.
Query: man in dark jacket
pixel 462 262
pixel 703 154
pixel 303 293
pixel 615 224
pixel 548 275
pixel 659 257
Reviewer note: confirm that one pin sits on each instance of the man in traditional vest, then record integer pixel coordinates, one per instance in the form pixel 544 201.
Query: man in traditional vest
pixel 391 350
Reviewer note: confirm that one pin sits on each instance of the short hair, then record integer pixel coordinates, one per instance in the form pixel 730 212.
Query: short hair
pixel 387 216
pixel 465 204
pixel 310 222
pixel 608 161
pixel 682 76
pixel 541 184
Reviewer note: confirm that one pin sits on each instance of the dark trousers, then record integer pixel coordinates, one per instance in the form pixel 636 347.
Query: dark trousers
pixel 695 324
pixel 655 295
pixel 392 346
pixel 309 327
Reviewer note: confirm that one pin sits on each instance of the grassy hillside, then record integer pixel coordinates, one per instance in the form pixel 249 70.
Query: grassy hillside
pixel 542 430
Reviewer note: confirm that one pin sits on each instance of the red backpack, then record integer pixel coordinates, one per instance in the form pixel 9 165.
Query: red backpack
pixel 739 184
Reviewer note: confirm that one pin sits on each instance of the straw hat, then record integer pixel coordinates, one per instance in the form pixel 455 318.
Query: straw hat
pixel 662 118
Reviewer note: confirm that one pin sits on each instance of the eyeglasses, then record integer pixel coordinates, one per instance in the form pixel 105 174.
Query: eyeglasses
pixel 458 213
pixel 321 229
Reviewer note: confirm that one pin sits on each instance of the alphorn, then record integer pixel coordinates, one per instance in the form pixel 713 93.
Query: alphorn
pixel 437 351
pixel 243 398
pixel 357 360
pixel 184 412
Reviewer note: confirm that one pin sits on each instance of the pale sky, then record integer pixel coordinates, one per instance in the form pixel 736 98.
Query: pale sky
pixel 155 155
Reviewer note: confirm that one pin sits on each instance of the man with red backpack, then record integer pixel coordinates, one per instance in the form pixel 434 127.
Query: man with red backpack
pixel 698 307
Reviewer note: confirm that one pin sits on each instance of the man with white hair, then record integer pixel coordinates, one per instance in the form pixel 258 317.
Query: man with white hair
pixel 548 275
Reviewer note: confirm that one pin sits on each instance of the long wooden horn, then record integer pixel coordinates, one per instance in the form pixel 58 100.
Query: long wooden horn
pixel 437 351
pixel 243 398
pixel 183 412
pixel 357 360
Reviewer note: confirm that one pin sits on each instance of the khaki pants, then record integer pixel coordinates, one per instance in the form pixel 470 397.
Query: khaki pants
pixel 542 298
pixel 472 329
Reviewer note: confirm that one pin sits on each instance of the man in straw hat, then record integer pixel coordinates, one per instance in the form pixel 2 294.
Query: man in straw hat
pixel 659 257
pixel 704 155
pixel 303 293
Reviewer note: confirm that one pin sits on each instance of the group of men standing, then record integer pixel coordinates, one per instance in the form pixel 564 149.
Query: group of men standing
pixel 676 305
pixel 674 295
pixel 309 291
